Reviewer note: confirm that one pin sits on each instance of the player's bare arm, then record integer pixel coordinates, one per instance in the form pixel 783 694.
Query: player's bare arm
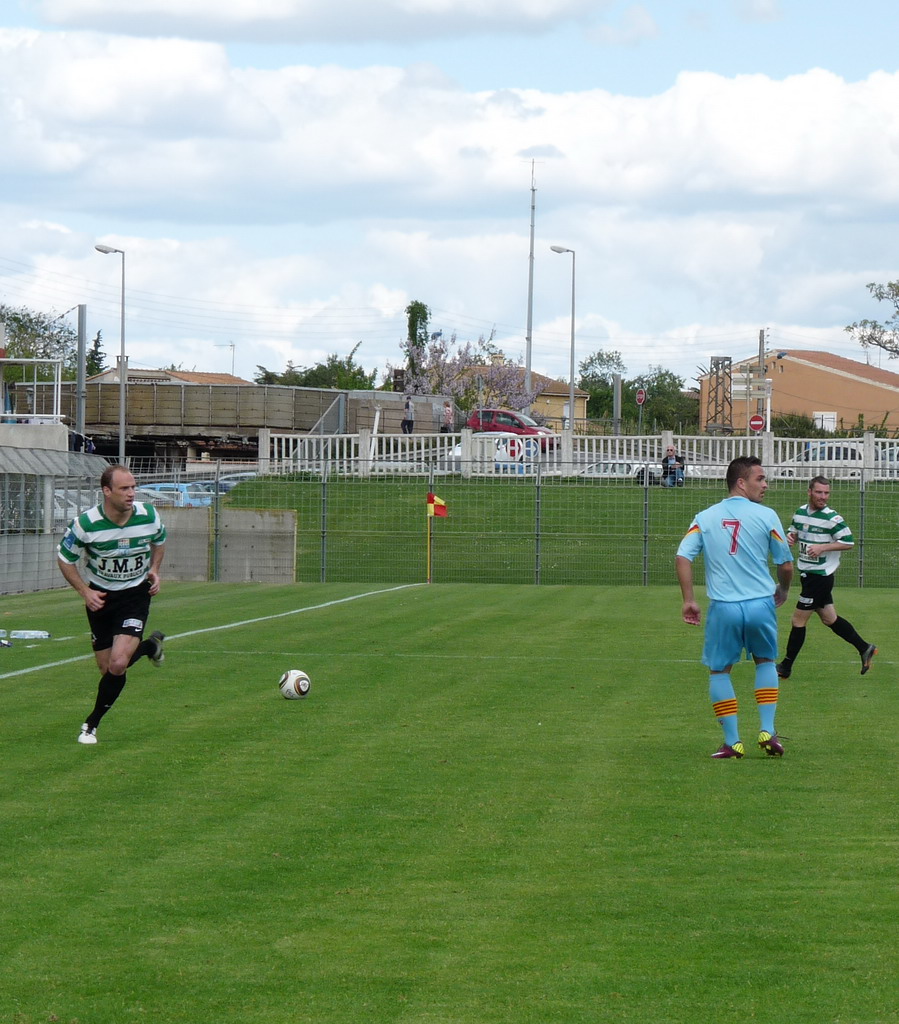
pixel 153 576
pixel 690 611
pixel 93 599
pixel 817 550
pixel 784 580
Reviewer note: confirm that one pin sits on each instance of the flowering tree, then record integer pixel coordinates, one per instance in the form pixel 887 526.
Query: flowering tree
pixel 473 374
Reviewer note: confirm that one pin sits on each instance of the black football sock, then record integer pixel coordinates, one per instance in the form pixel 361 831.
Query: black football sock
pixel 107 693
pixel 144 648
pixel 846 631
pixel 794 644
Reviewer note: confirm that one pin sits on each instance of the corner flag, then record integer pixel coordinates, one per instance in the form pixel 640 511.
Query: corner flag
pixel 436 506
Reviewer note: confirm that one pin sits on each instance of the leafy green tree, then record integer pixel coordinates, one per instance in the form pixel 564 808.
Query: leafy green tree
pixel 418 315
pixel 872 333
pixel 667 405
pixel 795 424
pixel 32 335
pixel 597 374
pixel 344 373
pixel 95 357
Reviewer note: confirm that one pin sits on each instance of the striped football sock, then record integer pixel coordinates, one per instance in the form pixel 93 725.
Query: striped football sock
pixel 766 693
pixel 724 704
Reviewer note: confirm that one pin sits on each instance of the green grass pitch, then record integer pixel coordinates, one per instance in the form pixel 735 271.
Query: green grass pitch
pixel 496 806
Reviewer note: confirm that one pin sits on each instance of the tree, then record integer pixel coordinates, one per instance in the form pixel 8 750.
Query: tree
pixel 667 405
pixel 418 315
pixel 31 335
pixel 597 374
pixel 473 374
pixel 95 358
pixel 342 373
pixel 871 333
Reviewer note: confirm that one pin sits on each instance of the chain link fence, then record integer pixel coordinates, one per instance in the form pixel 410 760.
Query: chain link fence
pixel 606 522
pixel 513 528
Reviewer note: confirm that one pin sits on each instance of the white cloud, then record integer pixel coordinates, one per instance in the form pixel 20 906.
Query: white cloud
pixel 297 210
pixel 302 21
pixel 636 26
pixel 170 125
pixel 760 10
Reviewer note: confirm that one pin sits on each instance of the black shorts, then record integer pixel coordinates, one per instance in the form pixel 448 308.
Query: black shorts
pixel 125 611
pixel 817 591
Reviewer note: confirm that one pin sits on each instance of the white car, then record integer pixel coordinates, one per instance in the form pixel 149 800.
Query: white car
pixel 500 445
pixel 624 469
pixel 706 469
pixel 840 459
pixel 228 481
pixel 827 458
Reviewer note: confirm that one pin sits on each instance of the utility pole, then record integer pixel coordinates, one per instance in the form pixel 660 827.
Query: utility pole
pixel 528 338
pixel 81 371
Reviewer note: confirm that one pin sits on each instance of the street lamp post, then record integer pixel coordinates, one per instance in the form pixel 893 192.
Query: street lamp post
pixel 561 248
pixel 123 371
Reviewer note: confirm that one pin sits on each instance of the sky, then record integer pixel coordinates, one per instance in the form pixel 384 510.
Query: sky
pixel 285 176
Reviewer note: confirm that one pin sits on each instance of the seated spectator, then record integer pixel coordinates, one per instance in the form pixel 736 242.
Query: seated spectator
pixel 672 468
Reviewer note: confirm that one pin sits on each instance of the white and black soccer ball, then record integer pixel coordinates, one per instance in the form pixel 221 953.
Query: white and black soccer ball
pixel 294 684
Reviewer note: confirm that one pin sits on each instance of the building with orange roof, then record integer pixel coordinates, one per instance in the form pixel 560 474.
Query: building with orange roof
pixel 836 392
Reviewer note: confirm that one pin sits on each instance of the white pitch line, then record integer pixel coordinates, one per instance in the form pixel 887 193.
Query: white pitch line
pixel 215 629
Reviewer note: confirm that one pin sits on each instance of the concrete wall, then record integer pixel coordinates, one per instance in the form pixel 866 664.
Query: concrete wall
pixel 49 436
pixel 253 547
pixel 27 564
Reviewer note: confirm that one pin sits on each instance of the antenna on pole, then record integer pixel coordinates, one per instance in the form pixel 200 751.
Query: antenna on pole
pixel 230 345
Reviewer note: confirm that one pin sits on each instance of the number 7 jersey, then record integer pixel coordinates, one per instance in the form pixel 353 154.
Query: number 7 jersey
pixel 736 538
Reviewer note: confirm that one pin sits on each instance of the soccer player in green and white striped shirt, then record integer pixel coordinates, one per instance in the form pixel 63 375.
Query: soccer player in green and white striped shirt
pixel 123 542
pixel 822 535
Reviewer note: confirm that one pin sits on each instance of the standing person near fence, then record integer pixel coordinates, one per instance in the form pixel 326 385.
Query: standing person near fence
pixel 736 538
pixel 123 542
pixel 408 422
pixel 823 536
pixel 449 418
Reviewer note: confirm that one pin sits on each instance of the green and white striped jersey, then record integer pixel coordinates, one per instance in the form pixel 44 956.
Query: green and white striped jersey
pixel 819 527
pixel 117 557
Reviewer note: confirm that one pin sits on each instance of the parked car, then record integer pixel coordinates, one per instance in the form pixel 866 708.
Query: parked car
pixel 183 495
pixel 829 458
pixel 229 481
pixel 499 447
pixel 706 469
pixel 624 469
pixel 64 509
pixel 156 498
pixel 212 486
pixel 506 446
pixel 840 459
pixel 506 421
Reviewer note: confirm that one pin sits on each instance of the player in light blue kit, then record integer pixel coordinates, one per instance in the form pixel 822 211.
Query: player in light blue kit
pixel 736 538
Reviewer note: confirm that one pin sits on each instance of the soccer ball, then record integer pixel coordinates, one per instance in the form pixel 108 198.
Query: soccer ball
pixel 294 684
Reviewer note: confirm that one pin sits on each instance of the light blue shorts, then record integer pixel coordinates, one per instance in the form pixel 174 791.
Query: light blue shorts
pixel 734 626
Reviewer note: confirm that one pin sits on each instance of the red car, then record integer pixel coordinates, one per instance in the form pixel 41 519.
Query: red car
pixel 511 422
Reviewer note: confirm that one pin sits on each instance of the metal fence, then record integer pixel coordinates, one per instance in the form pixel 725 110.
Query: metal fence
pixel 517 513
pixel 535 529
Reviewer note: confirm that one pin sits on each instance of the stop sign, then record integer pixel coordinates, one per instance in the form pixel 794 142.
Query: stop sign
pixel 756 422
pixel 641 396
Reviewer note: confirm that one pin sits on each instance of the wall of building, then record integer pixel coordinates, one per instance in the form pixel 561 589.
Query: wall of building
pixel 802 388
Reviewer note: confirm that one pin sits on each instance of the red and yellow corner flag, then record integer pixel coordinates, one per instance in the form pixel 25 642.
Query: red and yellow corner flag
pixel 436 506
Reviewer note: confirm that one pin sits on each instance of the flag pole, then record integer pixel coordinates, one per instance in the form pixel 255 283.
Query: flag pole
pixel 430 520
